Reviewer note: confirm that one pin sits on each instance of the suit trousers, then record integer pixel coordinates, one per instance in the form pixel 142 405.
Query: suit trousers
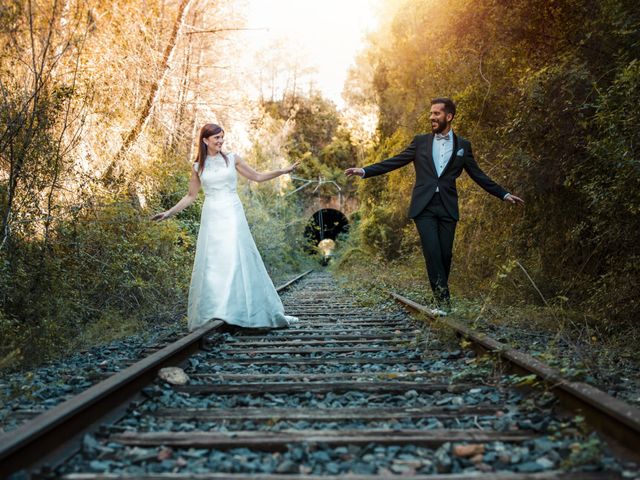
pixel 437 229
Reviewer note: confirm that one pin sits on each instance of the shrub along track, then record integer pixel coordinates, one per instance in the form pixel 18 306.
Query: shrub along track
pixel 354 391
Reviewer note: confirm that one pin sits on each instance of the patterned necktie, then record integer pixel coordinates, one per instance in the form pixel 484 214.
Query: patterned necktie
pixel 440 136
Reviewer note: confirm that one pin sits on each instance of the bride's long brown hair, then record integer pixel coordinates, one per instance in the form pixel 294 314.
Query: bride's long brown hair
pixel 205 132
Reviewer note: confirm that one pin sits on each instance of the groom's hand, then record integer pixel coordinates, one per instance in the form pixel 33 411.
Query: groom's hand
pixel 513 199
pixel 349 172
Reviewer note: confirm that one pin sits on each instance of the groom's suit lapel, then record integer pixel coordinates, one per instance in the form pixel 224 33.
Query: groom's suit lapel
pixel 430 160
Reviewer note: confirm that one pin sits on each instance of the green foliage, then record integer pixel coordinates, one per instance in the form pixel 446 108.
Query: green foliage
pixel 379 230
pixel 340 152
pixel 316 121
pixel 107 271
pixel 80 261
pixel 278 236
pixel 305 129
pixel 547 94
pixel 103 272
pixel 317 138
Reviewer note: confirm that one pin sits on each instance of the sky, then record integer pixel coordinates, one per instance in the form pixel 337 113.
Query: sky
pixel 327 34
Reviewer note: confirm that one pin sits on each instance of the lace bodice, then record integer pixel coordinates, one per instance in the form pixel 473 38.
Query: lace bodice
pixel 218 179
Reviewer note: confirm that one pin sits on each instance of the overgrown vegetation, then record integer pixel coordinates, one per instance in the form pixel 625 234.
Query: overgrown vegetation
pixel 317 137
pixel 87 158
pixel 98 114
pixel 547 92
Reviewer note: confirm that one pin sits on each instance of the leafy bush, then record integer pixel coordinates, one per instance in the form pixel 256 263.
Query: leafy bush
pixel 547 94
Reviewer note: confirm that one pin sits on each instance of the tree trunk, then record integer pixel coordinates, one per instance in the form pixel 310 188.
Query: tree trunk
pixel 133 135
pixel 194 118
pixel 177 133
pixel 26 119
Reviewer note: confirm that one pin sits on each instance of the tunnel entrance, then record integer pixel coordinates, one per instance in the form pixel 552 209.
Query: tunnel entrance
pixel 322 230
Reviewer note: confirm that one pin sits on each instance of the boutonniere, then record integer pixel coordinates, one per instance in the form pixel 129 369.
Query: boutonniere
pixel 460 152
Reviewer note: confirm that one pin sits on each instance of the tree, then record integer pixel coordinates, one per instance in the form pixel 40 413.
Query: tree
pixel 536 83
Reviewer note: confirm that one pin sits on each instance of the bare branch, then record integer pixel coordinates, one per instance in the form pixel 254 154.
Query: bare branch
pixel 134 133
pixel 218 30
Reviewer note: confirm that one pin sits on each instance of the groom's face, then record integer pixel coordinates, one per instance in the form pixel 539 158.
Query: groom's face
pixel 439 118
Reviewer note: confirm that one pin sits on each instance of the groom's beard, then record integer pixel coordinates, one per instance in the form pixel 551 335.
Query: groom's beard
pixel 438 127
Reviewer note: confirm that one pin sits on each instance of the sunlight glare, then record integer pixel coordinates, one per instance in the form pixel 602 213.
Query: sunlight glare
pixel 327 35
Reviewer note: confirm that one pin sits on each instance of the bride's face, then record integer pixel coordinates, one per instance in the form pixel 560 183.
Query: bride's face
pixel 214 142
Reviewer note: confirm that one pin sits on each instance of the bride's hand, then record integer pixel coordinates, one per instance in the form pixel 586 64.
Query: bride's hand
pixel 290 168
pixel 158 217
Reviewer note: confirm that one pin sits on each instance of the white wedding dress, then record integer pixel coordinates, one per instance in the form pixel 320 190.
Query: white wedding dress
pixel 229 280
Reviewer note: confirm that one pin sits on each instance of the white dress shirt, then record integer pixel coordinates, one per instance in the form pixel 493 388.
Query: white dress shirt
pixel 441 151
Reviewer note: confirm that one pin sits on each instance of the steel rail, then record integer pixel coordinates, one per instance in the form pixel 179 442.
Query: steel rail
pixel 46 432
pixel 613 417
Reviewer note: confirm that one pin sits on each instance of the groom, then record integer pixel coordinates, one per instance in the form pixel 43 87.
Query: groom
pixel 439 159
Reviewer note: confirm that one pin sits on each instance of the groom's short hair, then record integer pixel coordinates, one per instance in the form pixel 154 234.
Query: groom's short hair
pixel 449 106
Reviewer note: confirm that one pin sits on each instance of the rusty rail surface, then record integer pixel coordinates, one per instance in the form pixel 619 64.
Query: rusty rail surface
pixel 611 416
pixel 337 348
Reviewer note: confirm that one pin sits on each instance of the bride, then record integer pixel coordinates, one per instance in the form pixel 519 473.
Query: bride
pixel 229 280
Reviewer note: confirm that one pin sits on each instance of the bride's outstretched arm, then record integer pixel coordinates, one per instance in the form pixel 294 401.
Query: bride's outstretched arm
pixel 188 199
pixel 246 171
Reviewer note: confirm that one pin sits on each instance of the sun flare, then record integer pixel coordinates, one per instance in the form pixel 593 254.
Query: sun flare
pixel 326 36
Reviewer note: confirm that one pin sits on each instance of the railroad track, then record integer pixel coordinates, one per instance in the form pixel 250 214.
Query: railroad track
pixel 349 392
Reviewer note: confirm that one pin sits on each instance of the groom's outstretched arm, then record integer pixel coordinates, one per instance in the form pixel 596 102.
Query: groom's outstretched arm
pixel 481 178
pixel 386 166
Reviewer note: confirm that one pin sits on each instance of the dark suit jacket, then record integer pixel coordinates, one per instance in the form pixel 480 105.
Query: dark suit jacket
pixel 420 152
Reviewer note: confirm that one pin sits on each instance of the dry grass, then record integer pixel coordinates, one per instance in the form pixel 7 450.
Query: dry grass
pixel 581 347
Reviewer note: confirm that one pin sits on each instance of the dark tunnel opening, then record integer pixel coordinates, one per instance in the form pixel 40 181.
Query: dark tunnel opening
pixel 322 230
